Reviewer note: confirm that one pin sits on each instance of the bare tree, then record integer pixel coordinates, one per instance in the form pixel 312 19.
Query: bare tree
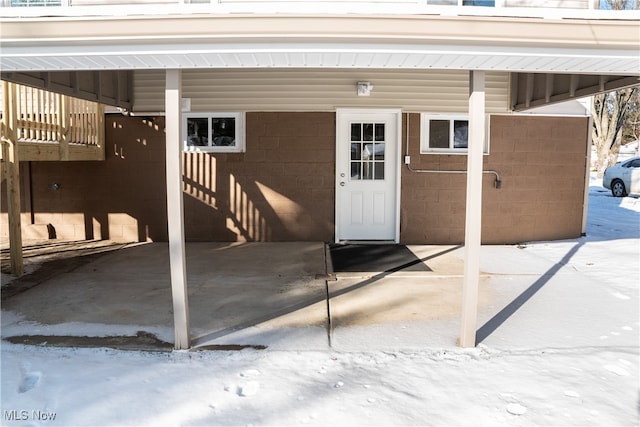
pixel 631 129
pixel 611 111
pixel 608 113
pixel 618 4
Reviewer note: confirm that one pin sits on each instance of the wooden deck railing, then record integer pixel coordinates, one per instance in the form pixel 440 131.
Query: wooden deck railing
pixel 41 117
pixel 75 125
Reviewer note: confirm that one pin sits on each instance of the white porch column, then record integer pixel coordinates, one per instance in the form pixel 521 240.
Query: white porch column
pixel 175 212
pixel 473 220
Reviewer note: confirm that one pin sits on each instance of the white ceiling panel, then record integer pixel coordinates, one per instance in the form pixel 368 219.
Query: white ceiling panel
pixel 300 55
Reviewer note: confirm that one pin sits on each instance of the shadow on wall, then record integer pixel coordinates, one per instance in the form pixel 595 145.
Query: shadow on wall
pixel 280 189
pixel 218 207
pixel 259 195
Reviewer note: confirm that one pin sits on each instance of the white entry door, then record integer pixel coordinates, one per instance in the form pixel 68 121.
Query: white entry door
pixel 367 175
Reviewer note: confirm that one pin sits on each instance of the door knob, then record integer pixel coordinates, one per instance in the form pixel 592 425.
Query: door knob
pixel 342 184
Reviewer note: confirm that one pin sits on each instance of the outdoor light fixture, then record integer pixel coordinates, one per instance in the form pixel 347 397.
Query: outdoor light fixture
pixel 364 88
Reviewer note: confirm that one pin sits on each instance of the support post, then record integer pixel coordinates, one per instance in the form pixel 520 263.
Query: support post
pixel 12 175
pixel 587 172
pixel 175 211
pixel 101 132
pixel 473 221
pixel 63 126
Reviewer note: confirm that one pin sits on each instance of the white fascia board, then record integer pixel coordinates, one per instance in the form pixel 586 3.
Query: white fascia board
pixel 41 56
pixel 352 7
pixel 574 107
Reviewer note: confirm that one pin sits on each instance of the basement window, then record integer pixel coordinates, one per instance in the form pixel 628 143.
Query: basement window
pixel 214 132
pixel 445 134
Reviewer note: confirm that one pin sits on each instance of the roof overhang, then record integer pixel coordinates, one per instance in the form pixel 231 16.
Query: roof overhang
pixel 311 54
pixel 321 41
pixel 550 59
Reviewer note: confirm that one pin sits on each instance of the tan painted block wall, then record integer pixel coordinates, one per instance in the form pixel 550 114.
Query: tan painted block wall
pixel 282 188
pixel 542 165
pixel 121 198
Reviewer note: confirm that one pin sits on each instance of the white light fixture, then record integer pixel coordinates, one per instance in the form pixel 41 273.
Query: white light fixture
pixel 185 104
pixel 364 88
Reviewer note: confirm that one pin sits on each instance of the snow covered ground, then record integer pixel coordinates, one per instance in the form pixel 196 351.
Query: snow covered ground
pixel 541 385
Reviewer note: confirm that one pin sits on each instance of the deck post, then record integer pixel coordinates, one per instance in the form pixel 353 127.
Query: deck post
pixel 12 175
pixel 175 212
pixel 63 125
pixel 100 131
pixel 473 221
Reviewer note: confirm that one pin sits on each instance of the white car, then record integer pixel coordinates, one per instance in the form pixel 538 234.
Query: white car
pixel 623 178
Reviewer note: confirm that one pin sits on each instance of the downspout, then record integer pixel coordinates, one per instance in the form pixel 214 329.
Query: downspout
pixel 497 183
pixel 587 178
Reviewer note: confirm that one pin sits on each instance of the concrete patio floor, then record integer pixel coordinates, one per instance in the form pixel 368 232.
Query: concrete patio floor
pixel 284 296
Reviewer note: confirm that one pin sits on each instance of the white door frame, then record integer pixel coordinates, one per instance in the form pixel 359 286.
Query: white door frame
pixel 340 112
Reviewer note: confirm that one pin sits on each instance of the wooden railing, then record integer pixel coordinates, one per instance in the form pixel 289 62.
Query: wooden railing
pixel 41 117
pixel 75 125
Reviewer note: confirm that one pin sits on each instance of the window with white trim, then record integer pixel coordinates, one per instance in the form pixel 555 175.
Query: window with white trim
pixel 445 134
pixel 213 132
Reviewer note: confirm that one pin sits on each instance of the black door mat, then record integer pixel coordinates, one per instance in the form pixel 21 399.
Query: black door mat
pixel 374 258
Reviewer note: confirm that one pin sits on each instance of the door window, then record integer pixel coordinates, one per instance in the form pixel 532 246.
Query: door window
pixel 367 151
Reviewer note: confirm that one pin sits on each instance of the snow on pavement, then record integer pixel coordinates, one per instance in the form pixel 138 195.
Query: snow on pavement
pixel 445 387
pixel 542 385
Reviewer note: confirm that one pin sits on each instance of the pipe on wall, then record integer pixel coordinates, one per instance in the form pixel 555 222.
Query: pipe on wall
pixel 497 183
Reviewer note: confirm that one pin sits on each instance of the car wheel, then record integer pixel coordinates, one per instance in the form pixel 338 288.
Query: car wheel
pixel 617 188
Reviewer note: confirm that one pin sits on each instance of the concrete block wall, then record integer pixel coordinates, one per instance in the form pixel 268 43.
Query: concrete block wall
pixel 282 187
pixel 121 198
pixel 541 161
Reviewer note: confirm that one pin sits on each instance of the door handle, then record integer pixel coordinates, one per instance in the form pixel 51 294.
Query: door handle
pixel 342 184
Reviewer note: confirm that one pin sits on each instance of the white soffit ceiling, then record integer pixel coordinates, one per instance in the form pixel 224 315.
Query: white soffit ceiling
pixel 113 56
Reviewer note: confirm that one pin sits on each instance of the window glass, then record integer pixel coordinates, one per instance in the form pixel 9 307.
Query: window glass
pixel 224 132
pixel 213 132
pixel 355 170
pixel 447 134
pixel 356 131
pixel 489 3
pixel 367 170
pixel 356 151
pixel 367 151
pixel 439 133
pixel 379 170
pixel 367 130
pixel 197 131
pixel 460 134
pixel 35 3
pixel 379 128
